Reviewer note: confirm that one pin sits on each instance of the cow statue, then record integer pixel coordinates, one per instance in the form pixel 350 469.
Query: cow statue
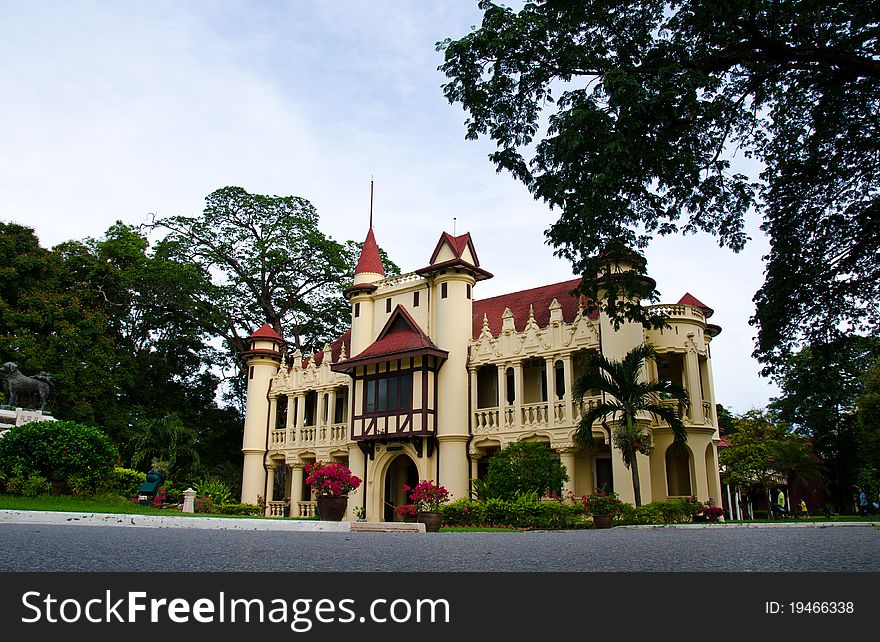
pixel 16 385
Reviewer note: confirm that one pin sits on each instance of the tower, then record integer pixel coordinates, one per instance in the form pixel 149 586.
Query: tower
pixel 262 359
pixel 453 271
pixel 369 270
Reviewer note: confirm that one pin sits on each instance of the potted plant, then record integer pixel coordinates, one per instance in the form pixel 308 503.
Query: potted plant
pixel 602 506
pixel 331 484
pixel 428 498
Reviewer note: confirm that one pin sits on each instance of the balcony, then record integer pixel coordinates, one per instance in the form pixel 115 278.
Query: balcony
pixel 531 416
pixel 309 437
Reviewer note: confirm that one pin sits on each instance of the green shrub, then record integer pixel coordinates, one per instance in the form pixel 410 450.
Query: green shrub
pixel 79 454
pixel 32 486
pixel 217 490
pixel 203 504
pixel 524 511
pixel 125 481
pixel 521 468
pixel 673 511
pixel 239 509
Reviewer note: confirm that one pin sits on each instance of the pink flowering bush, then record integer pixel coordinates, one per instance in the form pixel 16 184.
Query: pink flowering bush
pixel 406 511
pixel 331 479
pixel 427 496
pixel 601 503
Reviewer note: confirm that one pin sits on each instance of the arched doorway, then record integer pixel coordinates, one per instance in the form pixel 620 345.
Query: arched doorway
pixel 678 472
pixel 402 470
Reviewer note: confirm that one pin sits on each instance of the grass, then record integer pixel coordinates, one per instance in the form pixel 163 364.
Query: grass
pixel 96 504
pixel 74 504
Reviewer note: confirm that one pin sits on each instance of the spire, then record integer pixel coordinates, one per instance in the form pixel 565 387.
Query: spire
pixel 370 260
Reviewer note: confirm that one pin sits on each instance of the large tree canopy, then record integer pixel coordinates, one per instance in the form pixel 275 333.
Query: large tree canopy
pixel 270 264
pixel 819 387
pixel 645 105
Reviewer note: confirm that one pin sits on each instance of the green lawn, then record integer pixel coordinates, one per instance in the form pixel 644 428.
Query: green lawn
pixel 102 504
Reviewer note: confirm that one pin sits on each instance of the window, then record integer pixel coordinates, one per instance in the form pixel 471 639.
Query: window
pixel 357 310
pixel 389 393
pixel 251 372
pixel 281 413
pixel 415 299
pixel 387 305
pixel 443 290
pixel 469 290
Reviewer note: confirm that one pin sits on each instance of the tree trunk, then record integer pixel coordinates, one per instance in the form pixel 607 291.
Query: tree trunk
pixel 637 488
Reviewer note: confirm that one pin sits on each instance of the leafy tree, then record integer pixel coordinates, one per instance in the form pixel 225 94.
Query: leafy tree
pixel 819 386
pixel 522 468
pixel 45 325
pixel 629 397
pixel 868 414
pixel 725 419
pixel 765 452
pixel 272 263
pixel 624 116
pixel 168 443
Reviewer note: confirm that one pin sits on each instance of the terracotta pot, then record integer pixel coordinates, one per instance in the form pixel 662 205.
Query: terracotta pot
pixel 431 520
pixel 603 521
pixel 331 508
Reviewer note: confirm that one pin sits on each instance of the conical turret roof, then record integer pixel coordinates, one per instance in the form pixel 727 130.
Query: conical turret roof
pixel 370 260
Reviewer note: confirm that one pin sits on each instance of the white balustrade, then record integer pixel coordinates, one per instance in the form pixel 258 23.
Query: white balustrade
pixel 306 509
pixel 277 509
pixel 278 438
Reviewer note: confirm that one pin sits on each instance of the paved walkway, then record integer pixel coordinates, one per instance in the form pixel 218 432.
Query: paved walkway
pixel 179 521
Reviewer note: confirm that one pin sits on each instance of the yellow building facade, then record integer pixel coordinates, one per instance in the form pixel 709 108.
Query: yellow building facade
pixel 430 381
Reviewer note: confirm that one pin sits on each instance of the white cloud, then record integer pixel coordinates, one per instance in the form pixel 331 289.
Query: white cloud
pixel 115 110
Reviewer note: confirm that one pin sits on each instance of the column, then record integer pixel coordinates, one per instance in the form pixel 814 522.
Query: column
pixel 502 395
pixel 300 413
pixel 454 466
pixel 357 463
pixel 475 393
pixel 290 423
pixel 550 375
pixel 517 394
pixel 567 397
pixel 320 418
pixel 296 487
pixel 270 487
pixel 475 466
pixel 331 407
pixel 566 456
pixel 692 364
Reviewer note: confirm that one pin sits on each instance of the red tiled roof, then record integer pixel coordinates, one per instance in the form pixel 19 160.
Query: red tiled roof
pixel 690 299
pixel 400 335
pixel 370 261
pixel 265 331
pixel 457 244
pixel 539 298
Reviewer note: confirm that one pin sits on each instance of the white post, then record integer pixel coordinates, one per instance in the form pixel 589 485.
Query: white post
pixel 189 500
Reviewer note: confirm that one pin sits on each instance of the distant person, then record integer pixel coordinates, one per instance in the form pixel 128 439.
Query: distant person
pixel 863 502
pixel 780 499
pixel 804 511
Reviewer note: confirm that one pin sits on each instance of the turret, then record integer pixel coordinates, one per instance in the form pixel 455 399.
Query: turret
pixel 369 270
pixel 262 359
pixel 453 271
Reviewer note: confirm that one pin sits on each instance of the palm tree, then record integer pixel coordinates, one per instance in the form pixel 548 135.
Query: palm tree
pixel 166 442
pixel 626 395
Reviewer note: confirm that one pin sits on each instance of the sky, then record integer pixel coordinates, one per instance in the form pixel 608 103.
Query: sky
pixel 119 110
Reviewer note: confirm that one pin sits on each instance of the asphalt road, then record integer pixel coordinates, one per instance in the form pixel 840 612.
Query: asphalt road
pixel 102 548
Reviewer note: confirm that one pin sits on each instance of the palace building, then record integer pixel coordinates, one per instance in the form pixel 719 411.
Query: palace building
pixel 429 381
